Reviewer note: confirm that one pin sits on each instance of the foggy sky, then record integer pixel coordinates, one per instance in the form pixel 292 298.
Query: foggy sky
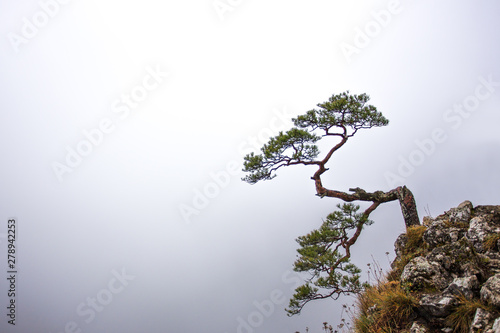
pixel 123 127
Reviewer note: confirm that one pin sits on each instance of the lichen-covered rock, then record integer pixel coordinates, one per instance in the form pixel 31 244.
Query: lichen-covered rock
pixel 491 213
pixel 491 261
pixel 457 258
pixel 400 244
pixel 462 213
pixel 466 286
pixel 481 321
pixel 422 273
pixel 456 234
pixel 496 326
pixel 436 234
pixel 479 228
pixel 438 305
pixel 490 291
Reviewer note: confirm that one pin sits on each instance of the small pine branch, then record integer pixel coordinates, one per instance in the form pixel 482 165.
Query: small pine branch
pixel 325 254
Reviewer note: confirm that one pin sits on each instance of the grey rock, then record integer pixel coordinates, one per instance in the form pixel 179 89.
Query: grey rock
pixel 454 263
pixel 418 328
pixel 436 234
pixel 423 273
pixel 496 326
pixel 456 233
pixel 462 213
pixel 439 234
pixel 400 244
pixel 467 286
pixel 492 213
pixel 478 230
pixel 438 305
pixel 490 291
pixel 481 321
pixel 491 260
pixel 457 258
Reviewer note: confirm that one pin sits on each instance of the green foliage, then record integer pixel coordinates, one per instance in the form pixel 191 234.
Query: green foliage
pixel 324 253
pixel 284 149
pixel 342 116
pixel 343 111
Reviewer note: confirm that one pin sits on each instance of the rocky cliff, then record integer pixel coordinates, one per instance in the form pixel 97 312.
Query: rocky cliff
pixel 450 266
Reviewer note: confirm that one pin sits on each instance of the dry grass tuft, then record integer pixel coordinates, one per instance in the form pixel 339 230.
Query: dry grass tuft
pixel 461 318
pixel 415 247
pixel 414 235
pixel 490 243
pixel 384 307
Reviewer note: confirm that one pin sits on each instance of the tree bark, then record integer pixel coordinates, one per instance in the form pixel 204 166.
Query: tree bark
pixel 408 206
pixel 401 193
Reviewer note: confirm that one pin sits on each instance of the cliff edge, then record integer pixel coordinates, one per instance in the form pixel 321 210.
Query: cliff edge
pixel 445 277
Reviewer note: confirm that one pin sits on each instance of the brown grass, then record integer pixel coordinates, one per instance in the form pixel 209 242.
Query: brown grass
pixel 415 247
pixel 490 243
pixel 414 235
pixel 383 307
pixel 461 318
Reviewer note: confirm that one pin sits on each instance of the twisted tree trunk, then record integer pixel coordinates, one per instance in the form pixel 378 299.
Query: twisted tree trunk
pixel 401 193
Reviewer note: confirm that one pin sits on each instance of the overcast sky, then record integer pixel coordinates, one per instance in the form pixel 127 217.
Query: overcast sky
pixel 124 124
